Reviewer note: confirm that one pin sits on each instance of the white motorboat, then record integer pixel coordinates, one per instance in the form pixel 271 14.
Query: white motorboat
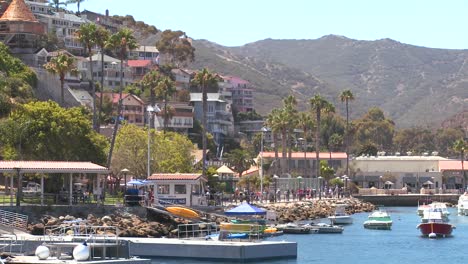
pixel 463 204
pixel 379 220
pixel 323 228
pixel 340 217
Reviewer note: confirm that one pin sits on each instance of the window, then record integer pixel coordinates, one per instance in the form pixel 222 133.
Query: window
pixel 180 189
pixel 163 189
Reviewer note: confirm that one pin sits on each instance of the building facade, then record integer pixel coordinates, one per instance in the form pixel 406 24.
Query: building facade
pixel 241 90
pixel 412 172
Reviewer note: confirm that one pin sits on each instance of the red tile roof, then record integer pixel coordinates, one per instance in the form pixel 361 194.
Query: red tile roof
pixel 138 63
pixel 309 155
pixel 115 97
pixel 451 165
pixel 175 176
pixel 51 166
pixel 18 11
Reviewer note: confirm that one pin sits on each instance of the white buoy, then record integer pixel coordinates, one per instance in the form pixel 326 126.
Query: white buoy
pixel 432 235
pixel 42 252
pixel 81 252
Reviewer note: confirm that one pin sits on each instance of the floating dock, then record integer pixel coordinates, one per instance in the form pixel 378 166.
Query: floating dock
pixel 35 260
pixel 210 249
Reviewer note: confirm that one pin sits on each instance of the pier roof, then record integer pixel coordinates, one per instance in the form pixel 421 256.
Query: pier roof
pixel 51 167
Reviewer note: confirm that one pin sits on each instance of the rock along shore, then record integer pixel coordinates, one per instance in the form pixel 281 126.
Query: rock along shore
pixel 309 210
pixel 131 225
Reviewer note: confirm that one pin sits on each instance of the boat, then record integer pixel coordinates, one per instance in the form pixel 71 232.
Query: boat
pixel 291 228
pixel 340 217
pixel 434 225
pixel 463 204
pixel 271 231
pixel 324 228
pixel 182 212
pixel 378 220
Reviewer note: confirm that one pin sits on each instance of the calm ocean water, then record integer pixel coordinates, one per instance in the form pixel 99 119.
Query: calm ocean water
pixel 402 244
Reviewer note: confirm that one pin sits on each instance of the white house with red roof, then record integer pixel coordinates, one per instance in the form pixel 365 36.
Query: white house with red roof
pixel 145 53
pixel 138 68
pixel 133 111
pixel 178 188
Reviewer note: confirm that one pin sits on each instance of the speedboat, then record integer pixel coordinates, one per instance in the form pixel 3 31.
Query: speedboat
pixel 292 228
pixel 379 220
pixel 323 228
pixel 433 225
pixel 463 204
pixel 340 217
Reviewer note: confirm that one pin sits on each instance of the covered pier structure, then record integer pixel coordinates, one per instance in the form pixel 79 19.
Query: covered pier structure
pixel 19 168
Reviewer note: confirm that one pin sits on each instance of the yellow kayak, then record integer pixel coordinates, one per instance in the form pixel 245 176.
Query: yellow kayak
pixel 182 212
pixel 235 227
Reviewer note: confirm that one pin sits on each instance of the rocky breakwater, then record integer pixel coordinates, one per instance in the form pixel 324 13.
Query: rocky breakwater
pixel 309 210
pixel 128 224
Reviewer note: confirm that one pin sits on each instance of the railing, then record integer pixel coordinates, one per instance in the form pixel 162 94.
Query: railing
pixel 14 220
pixel 78 230
pixel 199 230
pixel 72 233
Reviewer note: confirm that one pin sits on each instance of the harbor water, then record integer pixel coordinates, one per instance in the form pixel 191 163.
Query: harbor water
pixel 402 244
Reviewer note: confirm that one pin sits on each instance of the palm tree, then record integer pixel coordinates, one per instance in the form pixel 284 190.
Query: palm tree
pixel 101 39
pixel 57 4
pixel 87 37
pixel 77 2
pixel 347 96
pixel 241 160
pixel 204 79
pixel 121 42
pixel 290 104
pixel 150 81
pixel 61 65
pixel 319 105
pixel 164 90
pixel 461 146
pixel 305 122
pixel 273 125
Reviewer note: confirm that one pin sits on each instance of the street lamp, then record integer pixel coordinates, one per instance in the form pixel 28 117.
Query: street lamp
pixel 300 187
pixel 275 177
pixel 303 142
pixel 345 178
pixel 264 129
pixel 125 171
pixel 150 110
pixel 320 186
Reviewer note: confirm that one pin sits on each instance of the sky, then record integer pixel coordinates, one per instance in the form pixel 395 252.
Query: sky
pixel 428 23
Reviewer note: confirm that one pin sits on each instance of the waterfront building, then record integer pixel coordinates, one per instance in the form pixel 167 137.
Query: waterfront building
pixel 106 21
pixel 305 167
pixel 413 172
pixel 178 188
pixel 182 78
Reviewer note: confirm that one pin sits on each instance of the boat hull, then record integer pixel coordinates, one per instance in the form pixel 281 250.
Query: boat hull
pixel 341 220
pixel 378 225
pixel 439 229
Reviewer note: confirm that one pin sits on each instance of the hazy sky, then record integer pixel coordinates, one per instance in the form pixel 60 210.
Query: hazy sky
pixel 429 23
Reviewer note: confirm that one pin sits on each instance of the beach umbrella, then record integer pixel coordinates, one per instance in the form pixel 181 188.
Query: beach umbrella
pixel 389 183
pixel 246 209
pixel 135 182
pixel 428 183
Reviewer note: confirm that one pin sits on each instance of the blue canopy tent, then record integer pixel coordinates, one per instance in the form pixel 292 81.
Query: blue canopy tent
pixel 246 209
